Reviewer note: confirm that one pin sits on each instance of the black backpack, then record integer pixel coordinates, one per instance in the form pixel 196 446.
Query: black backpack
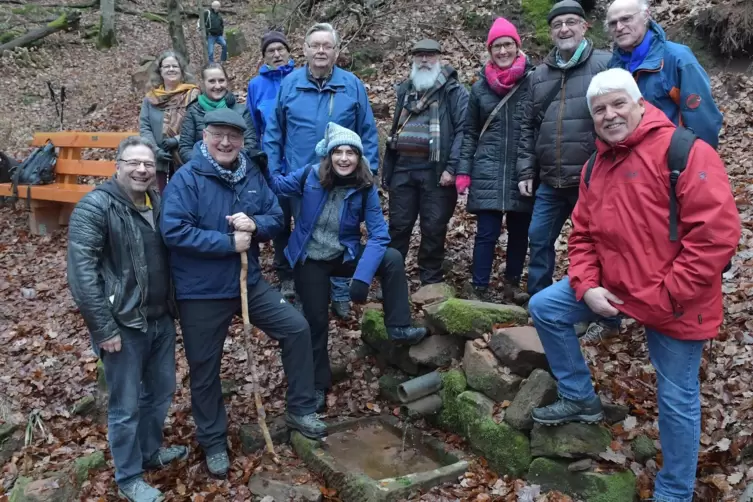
pixel 37 169
pixel 677 155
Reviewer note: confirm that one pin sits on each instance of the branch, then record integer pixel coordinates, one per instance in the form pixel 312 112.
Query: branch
pixel 66 21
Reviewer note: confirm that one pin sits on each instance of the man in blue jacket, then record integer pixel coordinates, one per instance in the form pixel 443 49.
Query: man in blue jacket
pixel 217 206
pixel 261 101
pixel 668 74
pixel 310 98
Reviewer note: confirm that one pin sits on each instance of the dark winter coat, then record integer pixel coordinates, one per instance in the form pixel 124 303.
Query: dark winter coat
pixel 193 127
pixel 556 151
pixel 213 23
pixel 491 160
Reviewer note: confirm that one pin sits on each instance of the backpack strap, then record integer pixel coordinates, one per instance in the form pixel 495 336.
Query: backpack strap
pixel 589 169
pixel 304 178
pixel 677 159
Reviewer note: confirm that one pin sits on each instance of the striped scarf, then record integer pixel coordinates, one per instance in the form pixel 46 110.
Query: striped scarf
pixel 430 101
pixel 231 177
pixel 566 65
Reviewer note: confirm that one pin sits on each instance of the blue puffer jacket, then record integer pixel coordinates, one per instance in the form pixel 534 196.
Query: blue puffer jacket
pixel 303 111
pixel 203 259
pixel 672 79
pixel 262 94
pixel 314 196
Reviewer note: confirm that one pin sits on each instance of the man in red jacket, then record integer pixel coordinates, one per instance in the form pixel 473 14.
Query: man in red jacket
pixel 623 262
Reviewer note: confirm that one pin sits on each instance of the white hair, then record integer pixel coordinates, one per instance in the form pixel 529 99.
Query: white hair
pixel 323 27
pixel 612 80
pixel 643 10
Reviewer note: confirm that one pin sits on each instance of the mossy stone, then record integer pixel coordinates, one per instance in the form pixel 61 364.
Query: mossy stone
pixel 643 448
pixel 470 318
pixel 82 465
pixel 590 486
pixel 372 327
pixel 453 384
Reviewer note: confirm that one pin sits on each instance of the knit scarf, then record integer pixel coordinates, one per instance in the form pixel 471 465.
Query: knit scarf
pixel 231 177
pixel 566 65
pixel 501 80
pixel 430 101
pixel 174 104
pixel 208 104
pixel 633 60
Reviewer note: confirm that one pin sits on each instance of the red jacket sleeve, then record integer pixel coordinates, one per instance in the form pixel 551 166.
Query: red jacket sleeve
pixel 584 271
pixel 707 213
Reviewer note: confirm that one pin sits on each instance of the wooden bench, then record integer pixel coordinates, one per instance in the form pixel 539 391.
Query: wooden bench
pixel 51 205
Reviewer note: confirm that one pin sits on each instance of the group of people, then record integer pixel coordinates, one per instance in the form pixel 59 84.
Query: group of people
pixel 584 133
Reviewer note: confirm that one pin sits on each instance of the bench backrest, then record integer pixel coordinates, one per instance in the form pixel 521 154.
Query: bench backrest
pixel 70 165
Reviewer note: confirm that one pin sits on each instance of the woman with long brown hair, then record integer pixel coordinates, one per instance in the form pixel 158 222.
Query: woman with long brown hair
pixel 163 110
pixel 336 196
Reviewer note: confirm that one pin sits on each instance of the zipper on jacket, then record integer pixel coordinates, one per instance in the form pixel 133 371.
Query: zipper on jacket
pixel 504 157
pixel 331 102
pixel 558 152
pixel 135 272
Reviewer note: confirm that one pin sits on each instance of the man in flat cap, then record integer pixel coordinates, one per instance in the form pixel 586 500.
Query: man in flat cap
pixel 216 207
pixel 422 155
pixel 557 137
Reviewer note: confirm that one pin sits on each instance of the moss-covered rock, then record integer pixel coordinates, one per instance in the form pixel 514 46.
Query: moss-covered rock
pixel 453 384
pixel 643 448
pixel 101 380
pixel 56 487
pixel 471 318
pixel 374 334
pixel 481 405
pixel 82 465
pixel 373 330
pixel 236 42
pixel 590 486
pixel 573 440
pixel 6 430
pixel 535 12
pixel 84 406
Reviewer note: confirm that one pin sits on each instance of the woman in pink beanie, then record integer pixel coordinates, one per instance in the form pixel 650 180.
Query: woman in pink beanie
pixel 488 158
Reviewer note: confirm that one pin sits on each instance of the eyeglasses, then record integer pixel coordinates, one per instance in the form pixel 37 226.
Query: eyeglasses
pixel 133 164
pixel 271 52
pixel 425 55
pixel 507 46
pixel 321 47
pixel 570 23
pixel 233 137
pixel 622 20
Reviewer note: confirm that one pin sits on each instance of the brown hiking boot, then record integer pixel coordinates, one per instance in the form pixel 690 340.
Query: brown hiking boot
pixel 512 292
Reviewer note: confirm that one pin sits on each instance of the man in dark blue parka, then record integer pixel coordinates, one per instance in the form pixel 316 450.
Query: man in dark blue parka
pixel 216 207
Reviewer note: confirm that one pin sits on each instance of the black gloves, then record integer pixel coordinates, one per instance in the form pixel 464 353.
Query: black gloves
pixel 169 144
pixel 359 291
pixel 164 156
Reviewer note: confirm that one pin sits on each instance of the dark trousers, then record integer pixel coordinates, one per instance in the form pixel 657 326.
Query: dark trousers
pixel 414 193
pixel 140 385
pixel 312 284
pixel 489 228
pixel 205 323
pixel 551 208
pixel 280 242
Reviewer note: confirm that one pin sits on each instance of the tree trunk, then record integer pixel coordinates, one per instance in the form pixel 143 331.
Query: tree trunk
pixel 106 38
pixel 202 33
pixel 175 27
pixel 66 21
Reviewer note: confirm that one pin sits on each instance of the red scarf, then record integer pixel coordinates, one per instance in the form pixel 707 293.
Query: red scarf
pixel 502 80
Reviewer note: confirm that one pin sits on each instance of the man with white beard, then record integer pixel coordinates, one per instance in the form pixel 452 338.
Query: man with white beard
pixel 423 151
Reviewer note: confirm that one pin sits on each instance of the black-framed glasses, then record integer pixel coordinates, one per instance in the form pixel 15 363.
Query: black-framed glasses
pixel 134 164
pixel 233 137
pixel 507 46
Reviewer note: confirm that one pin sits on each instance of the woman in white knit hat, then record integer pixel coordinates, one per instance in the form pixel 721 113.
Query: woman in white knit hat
pixel 336 196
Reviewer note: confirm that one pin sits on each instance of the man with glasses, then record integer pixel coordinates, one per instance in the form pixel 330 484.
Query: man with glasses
pixel 668 74
pixel 261 101
pixel 310 97
pixel 119 277
pixel 422 156
pixel 216 207
pixel 557 137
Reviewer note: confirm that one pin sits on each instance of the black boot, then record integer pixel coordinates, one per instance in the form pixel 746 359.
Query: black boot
pixel 514 293
pixel 563 411
pixel 406 335
pixel 341 310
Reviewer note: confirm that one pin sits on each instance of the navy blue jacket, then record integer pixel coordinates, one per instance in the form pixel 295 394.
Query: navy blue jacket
pixel 672 79
pixel 203 259
pixel 313 198
pixel 262 95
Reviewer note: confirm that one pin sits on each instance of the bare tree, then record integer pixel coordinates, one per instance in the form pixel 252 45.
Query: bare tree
pixel 202 32
pixel 175 27
pixel 106 37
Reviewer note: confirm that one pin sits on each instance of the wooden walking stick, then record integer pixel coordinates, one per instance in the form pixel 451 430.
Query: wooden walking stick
pixel 260 413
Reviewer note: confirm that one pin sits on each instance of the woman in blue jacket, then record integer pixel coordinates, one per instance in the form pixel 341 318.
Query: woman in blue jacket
pixel 336 196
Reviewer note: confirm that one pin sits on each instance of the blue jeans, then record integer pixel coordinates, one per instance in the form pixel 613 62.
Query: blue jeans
pixel 216 39
pixel 677 362
pixel 140 383
pixel 340 291
pixel 551 209
pixel 489 227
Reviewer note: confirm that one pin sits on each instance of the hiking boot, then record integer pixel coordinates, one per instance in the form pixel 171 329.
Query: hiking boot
pixel 139 490
pixel 512 292
pixel 321 401
pixel 407 335
pixel 341 310
pixel 164 456
pixel 287 289
pixel 308 425
pixel 480 293
pixel 218 464
pixel 599 331
pixel 563 411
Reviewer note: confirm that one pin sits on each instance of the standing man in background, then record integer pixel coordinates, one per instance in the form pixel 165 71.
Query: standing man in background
pixel 215 31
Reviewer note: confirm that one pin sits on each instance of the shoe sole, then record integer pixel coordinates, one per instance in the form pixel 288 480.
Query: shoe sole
pixel 129 499
pixel 410 342
pixel 294 427
pixel 584 419
pixel 176 459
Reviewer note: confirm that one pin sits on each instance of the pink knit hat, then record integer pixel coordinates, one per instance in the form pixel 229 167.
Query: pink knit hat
pixel 502 28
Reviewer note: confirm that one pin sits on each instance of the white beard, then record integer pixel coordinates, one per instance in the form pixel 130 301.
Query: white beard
pixel 424 79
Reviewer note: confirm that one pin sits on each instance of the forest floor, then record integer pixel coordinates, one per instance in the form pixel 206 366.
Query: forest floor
pixel 44 344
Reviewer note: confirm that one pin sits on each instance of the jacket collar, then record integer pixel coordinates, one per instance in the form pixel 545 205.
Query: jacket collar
pixel 337 80
pixel 655 57
pixel 275 72
pixel 204 167
pixel 551 58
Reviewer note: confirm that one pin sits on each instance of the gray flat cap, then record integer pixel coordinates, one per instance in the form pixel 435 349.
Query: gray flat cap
pixel 225 117
pixel 565 7
pixel 426 45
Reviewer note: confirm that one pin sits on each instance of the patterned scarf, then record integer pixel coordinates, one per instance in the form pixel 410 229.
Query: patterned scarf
pixel 174 104
pixel 501 80
pixel 430 101
pixel 231 177
pixel 566 65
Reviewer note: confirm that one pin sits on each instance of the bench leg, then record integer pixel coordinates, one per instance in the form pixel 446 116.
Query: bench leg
pixel 44 217
pixel 65 213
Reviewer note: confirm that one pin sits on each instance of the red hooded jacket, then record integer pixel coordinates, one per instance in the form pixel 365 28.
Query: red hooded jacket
pixel 620 237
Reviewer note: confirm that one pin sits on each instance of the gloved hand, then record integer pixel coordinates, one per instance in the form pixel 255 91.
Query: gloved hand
pixel 170 144
pixel 462 183
pixel 359 291
pixel 164 156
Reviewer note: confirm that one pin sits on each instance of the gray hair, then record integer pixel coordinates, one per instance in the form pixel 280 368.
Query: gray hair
pixel 323 27
pixel 643 10
pixel 155 77
pixel 132 141
pixel 612 80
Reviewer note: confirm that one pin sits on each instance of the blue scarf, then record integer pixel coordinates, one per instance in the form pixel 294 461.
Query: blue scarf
pixel 231 177
pixel 633 60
